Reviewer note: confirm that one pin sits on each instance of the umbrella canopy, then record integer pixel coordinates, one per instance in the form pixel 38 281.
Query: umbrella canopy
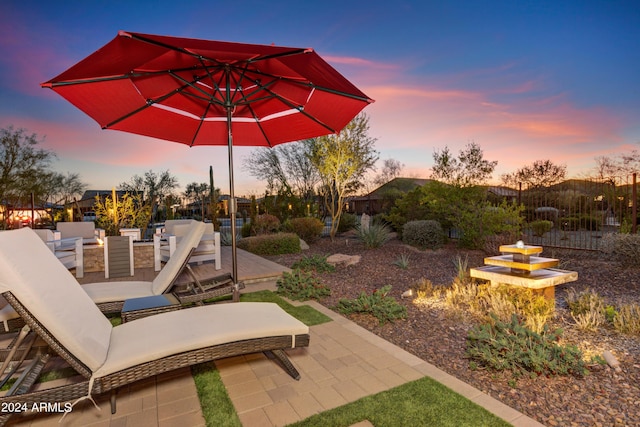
pixel 200 92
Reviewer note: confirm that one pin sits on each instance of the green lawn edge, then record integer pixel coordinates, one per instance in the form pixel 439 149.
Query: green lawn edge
pixel 423 402
pixel 305 313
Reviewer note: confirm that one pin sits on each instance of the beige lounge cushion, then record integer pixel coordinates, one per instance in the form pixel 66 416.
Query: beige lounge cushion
pixel 171 269
pixel 162 335
pixel 177 227
pixel 40 282
pixel 101 292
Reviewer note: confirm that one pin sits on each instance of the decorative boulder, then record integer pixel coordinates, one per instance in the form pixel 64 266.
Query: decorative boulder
pixel 345 260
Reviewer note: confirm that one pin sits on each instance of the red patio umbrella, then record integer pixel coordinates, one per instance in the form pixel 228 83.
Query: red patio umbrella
pixel 201 92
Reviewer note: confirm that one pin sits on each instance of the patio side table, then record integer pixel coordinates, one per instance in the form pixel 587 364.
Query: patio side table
pixel 137 308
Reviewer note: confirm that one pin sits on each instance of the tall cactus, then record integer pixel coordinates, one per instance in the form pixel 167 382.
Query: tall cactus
pixel 213 203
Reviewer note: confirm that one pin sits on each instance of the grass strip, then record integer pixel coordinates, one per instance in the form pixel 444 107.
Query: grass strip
pixel 424 402
pixel 306 314
pixel 217 409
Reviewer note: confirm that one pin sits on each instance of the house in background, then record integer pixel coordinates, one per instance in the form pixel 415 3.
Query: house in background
pixel 383 198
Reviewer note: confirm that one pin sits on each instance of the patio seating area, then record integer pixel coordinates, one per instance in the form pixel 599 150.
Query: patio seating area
pixel 343 363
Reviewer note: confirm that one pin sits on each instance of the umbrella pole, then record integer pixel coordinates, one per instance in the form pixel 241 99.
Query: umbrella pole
pixel 232 212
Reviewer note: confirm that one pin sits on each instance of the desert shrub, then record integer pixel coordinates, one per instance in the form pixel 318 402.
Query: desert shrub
pixel 540 227
pixel 532 307
pixel 378 304
pixel 347 222
pixel 265 224
pixel 587 309
pixel 501 302
pixel 402 261
pixel 375 235
pixel 465 295
pixel 425 289
pixel 424 234
pixel 624 248
pixel 245 230
pixel 301 286
pixel 307 228
pixel 627 319
pixel 462 268
pixel 317 263
pixel 512 346
pixel 271 244
pixel 225 238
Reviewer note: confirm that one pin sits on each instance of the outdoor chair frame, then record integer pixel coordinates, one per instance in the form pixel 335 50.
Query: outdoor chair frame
pixel 271 346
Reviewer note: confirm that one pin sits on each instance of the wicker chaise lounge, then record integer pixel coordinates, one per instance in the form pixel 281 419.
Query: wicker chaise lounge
pixel 110 296
pixel 53 305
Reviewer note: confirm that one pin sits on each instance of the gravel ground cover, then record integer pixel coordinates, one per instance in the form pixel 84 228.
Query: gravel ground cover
pixel 437 333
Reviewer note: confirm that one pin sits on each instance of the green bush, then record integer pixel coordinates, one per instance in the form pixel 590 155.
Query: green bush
pixel 265 224
pixel 584 222
pixel 301 286
pixel 271 244
pixel 317 263
pixel 424 234
pixel 347 222
pixel 379 304
pixel 591 223
pixel 511 346
pixel 307 228
pixel 478 220
pixel 587 309
pixel 375 235
pixel 245 231
pixel 540 227
pixel 627 319
pixel 410 207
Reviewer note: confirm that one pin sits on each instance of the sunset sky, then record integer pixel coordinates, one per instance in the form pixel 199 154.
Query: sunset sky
pixel 525 80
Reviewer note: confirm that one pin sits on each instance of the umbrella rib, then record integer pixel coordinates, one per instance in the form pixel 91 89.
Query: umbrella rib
pixel 195 135
pixel 149 102
pixel 311 85
pixel 292 105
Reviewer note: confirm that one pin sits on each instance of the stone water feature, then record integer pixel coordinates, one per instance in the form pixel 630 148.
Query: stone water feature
pixel 520 265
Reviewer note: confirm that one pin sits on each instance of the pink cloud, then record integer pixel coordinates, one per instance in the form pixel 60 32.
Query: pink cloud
pixel 413 120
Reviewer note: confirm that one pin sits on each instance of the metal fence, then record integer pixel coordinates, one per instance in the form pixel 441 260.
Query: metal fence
pixel 580 211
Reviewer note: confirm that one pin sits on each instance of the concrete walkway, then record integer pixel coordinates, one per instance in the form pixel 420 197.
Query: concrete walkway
pixel 343 363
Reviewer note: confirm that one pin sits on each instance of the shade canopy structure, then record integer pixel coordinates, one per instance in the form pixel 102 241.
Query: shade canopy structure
pixel 202 92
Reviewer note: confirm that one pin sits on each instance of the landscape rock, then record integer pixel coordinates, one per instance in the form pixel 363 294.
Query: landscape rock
pixel 342 259
pixel 365 221
pixel 304 246
pixel 611 360
pixel 407 294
